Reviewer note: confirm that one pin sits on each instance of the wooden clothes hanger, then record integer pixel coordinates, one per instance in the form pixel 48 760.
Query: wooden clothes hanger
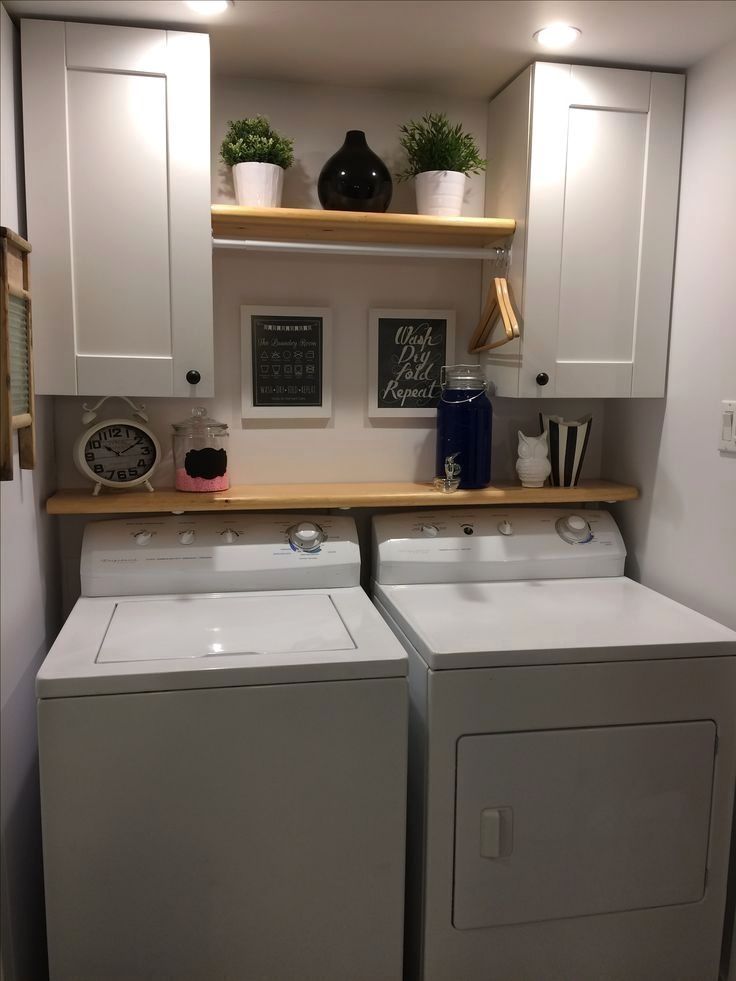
pixel 487 317
pixel 498 304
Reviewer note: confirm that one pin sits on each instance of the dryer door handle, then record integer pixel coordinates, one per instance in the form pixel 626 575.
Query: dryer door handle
pixel 496 832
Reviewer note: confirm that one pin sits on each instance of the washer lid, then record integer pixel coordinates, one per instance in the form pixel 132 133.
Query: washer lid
pixel 552 621
pixel 133 644
pixel 206 626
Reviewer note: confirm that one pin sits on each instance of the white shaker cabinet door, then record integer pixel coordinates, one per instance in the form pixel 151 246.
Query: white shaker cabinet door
pixel 116 125
pixel 597 230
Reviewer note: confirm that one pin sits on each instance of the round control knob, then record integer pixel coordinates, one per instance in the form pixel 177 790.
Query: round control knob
pixel 574 529
pixel 229 536
pixel 306 536
pixel 142 537
pixel 193 377
pixel 431 531
pixel 505 527
pixel 186 537
pixel 542 378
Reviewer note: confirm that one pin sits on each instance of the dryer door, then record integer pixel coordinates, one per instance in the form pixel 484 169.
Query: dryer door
pixel 573 822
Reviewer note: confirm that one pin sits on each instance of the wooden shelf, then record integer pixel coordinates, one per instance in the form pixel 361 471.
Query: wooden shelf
pixel 305 225
pixel 278 497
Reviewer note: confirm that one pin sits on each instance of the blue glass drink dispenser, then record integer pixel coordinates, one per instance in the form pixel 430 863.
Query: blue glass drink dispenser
pixel 464 424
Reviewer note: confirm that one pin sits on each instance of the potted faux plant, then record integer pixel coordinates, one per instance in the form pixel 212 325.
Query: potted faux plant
pixel 440 157
pixel 259 156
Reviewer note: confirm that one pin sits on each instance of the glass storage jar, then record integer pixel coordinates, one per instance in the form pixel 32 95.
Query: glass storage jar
pixel 200 453
pixel 464 419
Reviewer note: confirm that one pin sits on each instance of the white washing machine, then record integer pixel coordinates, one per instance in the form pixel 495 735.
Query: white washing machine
pixel 572 753
pixel 222 731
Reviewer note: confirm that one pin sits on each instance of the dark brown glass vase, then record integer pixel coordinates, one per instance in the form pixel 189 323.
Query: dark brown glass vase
pixel 355 178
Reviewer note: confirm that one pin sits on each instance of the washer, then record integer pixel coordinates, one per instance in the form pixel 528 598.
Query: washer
pixel 572 753
pixel 222 732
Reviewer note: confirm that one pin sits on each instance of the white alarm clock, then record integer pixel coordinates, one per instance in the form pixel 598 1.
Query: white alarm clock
pixel 117 452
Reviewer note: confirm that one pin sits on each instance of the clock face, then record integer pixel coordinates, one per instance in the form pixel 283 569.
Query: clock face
pixel 120 453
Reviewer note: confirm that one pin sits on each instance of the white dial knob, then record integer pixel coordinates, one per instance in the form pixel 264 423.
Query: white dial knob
pixel 431 531
pixel 505 527
pixel 229 536
pixel 142 537
pixel 186 537
pixel 574 529
pixel 306 536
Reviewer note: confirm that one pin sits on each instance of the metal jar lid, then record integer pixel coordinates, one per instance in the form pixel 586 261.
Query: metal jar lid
pixel 463 376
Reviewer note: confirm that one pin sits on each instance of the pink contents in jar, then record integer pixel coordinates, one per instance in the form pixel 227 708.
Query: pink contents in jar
pixel 200 484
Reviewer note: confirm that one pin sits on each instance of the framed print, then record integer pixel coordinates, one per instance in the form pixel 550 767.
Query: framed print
pixel 406 352
pixel 286 362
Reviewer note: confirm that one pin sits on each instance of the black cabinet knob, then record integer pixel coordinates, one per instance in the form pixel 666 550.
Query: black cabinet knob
pixel 194 377
pixel 542 378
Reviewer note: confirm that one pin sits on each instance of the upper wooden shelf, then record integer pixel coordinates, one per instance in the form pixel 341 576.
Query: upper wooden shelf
pixel 305 225
pixel 279 497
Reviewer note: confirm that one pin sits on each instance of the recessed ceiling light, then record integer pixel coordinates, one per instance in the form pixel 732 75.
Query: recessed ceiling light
pixel 557 36
pixel 208 6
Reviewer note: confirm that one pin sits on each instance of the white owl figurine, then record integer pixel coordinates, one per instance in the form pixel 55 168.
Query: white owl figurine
pixel 533 466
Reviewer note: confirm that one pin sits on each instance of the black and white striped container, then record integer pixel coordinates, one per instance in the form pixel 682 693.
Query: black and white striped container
pixel 568 441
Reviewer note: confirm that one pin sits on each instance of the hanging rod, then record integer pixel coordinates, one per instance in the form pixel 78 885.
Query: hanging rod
pixel 349 248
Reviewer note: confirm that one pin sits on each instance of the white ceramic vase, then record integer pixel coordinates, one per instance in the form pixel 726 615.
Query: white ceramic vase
pixel 258 185
pixel 440 193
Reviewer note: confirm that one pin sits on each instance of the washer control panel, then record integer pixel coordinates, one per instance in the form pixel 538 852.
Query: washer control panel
pixel 197 553
pixel 488 544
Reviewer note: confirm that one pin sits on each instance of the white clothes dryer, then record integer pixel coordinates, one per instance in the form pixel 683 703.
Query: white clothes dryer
pixel 572 752
pixel 222 732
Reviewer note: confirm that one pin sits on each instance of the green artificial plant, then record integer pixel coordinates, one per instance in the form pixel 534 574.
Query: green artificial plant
pixel 254 141
pixel 433 143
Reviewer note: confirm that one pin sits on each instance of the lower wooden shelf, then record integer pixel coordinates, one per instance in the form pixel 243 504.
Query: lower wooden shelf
pixel 278 497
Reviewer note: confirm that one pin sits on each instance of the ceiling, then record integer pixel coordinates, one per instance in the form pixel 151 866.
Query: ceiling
pixel 461 47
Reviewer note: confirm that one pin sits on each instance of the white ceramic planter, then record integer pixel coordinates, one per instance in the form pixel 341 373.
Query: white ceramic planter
pixel 440 193
pixel 258 185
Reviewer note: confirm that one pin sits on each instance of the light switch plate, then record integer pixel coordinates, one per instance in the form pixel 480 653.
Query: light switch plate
pixel 727 442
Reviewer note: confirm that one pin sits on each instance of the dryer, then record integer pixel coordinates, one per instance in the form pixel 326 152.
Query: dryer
pixel 222 733
pixel 572 752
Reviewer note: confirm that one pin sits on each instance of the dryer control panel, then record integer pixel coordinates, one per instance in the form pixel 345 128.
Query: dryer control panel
pixel 495 544
pixel 209 553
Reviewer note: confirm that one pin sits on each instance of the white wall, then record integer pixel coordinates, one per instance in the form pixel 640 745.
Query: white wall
pixel 681 535
pixel 349 446
pixel 317 117
pixel 28 612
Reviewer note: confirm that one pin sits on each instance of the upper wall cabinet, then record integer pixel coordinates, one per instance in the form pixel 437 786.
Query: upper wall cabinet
pixel 117 154
pixel 587 160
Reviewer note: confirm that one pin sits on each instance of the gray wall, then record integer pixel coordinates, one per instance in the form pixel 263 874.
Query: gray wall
pixel 28 610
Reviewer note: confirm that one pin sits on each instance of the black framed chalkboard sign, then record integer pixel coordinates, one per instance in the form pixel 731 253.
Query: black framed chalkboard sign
pixel 407 349
pixel 287 362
